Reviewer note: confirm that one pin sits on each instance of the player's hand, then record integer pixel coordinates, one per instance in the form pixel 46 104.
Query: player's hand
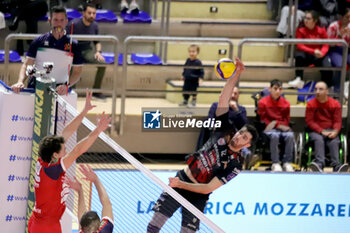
pixel 239 66
pixel 318 53
pixel 88 105
pixel 17 87
pixel 103 122
pixel 88 173
pixel 73 183
pixel 174 182
pixel 98 56
pixel 61 89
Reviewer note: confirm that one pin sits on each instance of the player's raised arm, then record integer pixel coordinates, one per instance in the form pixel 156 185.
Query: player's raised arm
pixel 85 143
pixel 90 175
pixel 226 92
pixel 74 124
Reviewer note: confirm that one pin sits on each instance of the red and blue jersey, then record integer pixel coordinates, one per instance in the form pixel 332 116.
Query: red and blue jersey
pixel 51 191
pixel 106 226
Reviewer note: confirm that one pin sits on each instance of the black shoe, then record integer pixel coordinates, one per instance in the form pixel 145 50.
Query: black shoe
pixel 343 168
pixel 99 96
pixel 315 167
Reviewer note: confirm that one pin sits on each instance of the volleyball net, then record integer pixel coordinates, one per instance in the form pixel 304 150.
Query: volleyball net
pixel 133 188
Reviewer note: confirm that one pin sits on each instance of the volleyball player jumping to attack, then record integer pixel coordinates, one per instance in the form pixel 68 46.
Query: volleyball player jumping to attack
pixel 216 163
pixel 51 191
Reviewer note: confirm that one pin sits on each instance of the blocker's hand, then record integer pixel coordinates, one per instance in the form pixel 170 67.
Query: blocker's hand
pixel 73 183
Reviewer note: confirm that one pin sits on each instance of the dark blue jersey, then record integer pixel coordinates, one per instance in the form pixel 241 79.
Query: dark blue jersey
pixel 47 40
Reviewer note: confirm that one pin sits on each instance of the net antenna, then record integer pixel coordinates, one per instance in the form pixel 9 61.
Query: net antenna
pixel 131 186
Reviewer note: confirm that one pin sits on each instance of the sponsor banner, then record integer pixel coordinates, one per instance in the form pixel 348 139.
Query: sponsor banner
pixel 16 134
pixel 252 202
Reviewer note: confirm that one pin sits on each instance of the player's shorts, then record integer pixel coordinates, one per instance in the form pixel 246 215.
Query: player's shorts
pixel 42 227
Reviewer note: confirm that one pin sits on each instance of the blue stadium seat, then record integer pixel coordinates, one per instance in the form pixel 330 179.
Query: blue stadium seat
pixel 73 14
pixel 14 56
pixel 109 58
pixel 7 15
pixel 106 16
pixel 140 17
pixel 146 59
pixel 308 87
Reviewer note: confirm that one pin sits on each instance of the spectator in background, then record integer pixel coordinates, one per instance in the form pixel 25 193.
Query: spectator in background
pixel 55 47
pixel 87 26
pixel 308 54
pixel 192 77
pixel 282 27
pixel 339 29
pixel 328 10
pixel 274 111
pixel 323 117
pixel 124 6
pixel 29 11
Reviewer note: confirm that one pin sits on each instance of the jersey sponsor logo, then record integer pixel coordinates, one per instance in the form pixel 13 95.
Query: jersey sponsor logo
pixel 65 191
pixel 221 141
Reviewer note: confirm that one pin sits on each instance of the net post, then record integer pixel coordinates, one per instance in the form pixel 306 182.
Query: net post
pixel 43 110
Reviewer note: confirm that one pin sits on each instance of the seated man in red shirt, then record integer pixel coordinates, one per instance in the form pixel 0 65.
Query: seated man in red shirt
pixel 323 117
pixel 274 110
pixel 89 220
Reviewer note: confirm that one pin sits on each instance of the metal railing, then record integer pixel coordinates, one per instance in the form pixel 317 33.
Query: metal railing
pixel 108 38
pixel 130 39
pixel 342 69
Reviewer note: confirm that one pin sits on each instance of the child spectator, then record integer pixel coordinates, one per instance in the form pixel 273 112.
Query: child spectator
pixel 192 77
pixel 339 30
pixel 308 54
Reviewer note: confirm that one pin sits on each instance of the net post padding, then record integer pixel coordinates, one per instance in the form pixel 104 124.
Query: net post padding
pixel 148 173
pixel 43 102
